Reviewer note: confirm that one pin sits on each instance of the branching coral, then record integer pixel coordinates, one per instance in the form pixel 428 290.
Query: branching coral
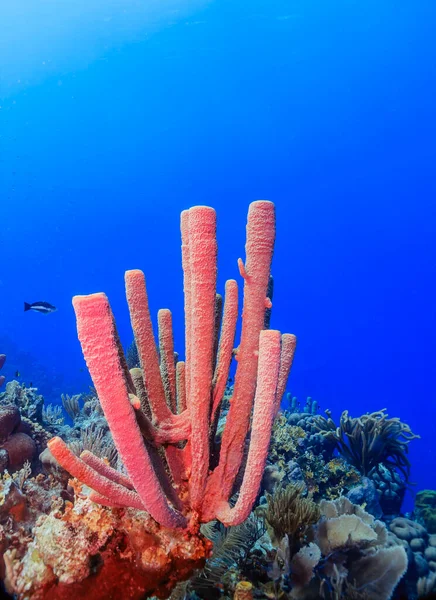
pixel 71 405
pixel 52 415
pixel 371 440
pixel 94 440
pixel 264 360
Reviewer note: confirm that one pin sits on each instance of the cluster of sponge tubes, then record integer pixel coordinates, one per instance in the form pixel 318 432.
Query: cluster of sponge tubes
pixel 163 416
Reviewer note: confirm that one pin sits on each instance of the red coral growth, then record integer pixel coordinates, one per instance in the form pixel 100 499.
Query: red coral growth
pixel 97 553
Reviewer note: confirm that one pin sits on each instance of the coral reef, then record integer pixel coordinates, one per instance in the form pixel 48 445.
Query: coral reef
pixel 170 458
pixel 391 488
pixel 338 552
pixel 377 446
pixel 300 453
pixel 290 514
pixel 172 472
pixel 311 407
pixel 350 553
pixel 347 553
pixel 71 405
pixel 366 494
pixel 232 550
pixel 52 416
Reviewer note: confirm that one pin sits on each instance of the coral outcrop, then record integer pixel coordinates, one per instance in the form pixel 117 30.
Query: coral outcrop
pixel 90 551
pixel 299 453
pixel 28 401
pixel 377 446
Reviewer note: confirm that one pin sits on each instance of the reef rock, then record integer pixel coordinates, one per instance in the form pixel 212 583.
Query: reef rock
pixel 16 447
pixel 95 552
pixel 365 494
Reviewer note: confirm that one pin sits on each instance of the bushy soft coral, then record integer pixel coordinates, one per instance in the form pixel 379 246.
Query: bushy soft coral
pixel 371 440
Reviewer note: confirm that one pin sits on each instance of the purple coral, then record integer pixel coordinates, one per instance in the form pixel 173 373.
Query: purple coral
pixel 16 447
pixel 2 362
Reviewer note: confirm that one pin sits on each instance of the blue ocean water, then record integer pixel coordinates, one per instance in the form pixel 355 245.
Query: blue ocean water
pixel 116 116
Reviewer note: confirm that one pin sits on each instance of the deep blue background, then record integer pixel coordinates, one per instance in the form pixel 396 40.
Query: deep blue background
pixel 111 125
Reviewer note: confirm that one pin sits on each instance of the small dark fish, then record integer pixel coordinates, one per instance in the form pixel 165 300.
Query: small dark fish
pixel 17 373
pixel 42 307
pixel 30 384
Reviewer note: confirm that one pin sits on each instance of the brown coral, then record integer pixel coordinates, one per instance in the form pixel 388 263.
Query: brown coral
pixel 20 448
pixel 9 421
pixel 16 447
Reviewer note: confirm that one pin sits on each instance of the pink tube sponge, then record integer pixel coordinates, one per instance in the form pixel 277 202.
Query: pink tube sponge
pixel 179 403
pixel 203 267
pixel 263 417
pixel 259 251
pixel 95 322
